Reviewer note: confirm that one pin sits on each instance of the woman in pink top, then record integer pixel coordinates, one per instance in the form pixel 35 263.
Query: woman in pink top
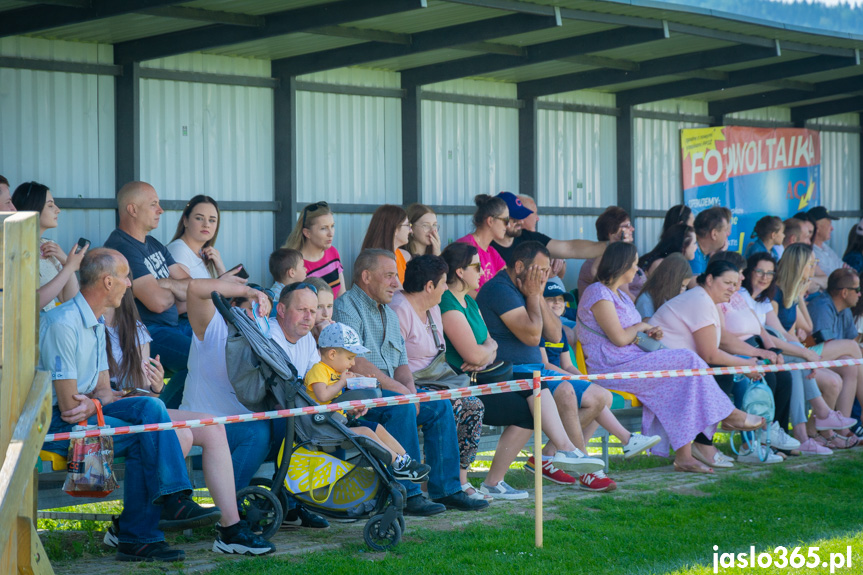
pixel 313 237
pixel 490 220
pixel 422 329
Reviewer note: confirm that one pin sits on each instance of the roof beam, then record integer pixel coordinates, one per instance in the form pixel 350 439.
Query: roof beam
pixel 603 62
pixel 37 18
pixel 649 69
pixel 784 97
pixel 448 37
pixel 802 113
pixel 275 24
pixel 209 16
pixel 494 48
pixel 362 34
pixel 535 54
pixel 746 77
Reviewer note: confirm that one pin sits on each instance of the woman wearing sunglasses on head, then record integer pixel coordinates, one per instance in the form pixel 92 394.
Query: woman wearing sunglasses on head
pixel 490 220
pixel 313 237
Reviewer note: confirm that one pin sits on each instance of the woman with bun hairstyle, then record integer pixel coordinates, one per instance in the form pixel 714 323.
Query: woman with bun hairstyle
pixel 490 221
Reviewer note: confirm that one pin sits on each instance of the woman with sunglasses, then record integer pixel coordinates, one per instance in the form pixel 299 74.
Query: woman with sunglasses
pixel 313 237
pixel 390 230
pixel 490 221
pixel 679 214
pixel 57 280
pixel 425 232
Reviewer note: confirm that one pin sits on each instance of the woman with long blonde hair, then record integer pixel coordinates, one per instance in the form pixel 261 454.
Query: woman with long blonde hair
pixel 313 237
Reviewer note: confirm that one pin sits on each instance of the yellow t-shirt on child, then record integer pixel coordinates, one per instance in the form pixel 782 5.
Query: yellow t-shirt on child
pixel 321 373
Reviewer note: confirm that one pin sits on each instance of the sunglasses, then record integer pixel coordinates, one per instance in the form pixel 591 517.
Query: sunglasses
pixel 300 285
pixel 477 267
pixel 854 289
pixel 312 208
pixel 504 220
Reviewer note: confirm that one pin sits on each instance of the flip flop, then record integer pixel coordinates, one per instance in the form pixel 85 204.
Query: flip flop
pixel 693 468
pixel 751 423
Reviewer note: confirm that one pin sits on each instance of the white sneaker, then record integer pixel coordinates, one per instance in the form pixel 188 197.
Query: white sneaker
pixel 502 491
pixel 752 456
pixel 779 439
pixel 638 443
pixel 576 462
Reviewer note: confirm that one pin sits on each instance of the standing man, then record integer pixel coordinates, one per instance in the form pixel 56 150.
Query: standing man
pixel 72 349
pixel 365 309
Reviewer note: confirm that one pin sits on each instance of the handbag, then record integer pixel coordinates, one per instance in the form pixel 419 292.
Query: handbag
pixel 642 340
pixel 89 470
pixel 439 374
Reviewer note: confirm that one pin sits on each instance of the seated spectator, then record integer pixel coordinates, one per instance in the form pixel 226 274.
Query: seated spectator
pixel 324 313
pixel 826 259
pixel 390 230
pixel 35 197
pixel 557 354
pixel 796 231
pixel 679 214
pixel 678 239
pixel 692 321
pixel 128 344
pixel 769 233
pixel 490 221
pixel 712 227
pixel 518 318
pixel 759 285
pixel 676 409
pixel 853 256
pixel 365 308
pixel 744 335
pixel 160 283
pixel 286 267
pixel 425 231
pixel 327 380
pixel 612 225
pixel 420 323
pixel 313 237
pixel 193 244
pixel 6 204
pixel 522 210
pixel 72 350
pixel 469 346
pixel 668 280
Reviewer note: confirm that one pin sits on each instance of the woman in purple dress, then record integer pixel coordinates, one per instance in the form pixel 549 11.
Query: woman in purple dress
pixel 677 409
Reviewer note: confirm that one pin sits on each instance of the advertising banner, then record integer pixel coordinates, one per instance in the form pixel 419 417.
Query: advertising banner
pixel 752 171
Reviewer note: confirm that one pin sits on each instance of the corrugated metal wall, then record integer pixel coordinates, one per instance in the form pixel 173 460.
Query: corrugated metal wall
pixel 468 149
pixel 57 128
pixel 215 140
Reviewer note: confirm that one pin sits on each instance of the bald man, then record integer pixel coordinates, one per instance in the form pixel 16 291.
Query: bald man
pixel 159 283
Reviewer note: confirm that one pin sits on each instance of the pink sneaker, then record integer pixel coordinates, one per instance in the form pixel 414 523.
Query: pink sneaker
pixel 834 420
pixel 812 447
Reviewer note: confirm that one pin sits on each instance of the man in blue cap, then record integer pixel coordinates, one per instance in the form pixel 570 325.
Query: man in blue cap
pixel 517 234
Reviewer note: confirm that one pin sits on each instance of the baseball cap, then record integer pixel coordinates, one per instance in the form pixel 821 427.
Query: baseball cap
pixel 517 210
pixel 553 289
pixel 819 213
pixel 342 336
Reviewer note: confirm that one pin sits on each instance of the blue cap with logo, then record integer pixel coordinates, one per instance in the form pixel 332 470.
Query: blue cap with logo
pixel 554 289
pixel 517 210
pixel 341 336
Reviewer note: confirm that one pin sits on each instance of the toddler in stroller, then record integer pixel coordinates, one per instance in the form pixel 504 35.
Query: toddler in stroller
pixel 339 345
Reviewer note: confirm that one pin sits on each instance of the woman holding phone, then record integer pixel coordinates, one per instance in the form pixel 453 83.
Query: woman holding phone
pixel 193 244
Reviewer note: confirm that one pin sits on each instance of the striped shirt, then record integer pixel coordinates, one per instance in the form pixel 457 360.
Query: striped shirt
pixel 328 268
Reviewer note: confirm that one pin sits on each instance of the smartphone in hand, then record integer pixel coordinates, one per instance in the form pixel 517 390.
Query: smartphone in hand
pixel 242 273
pixel 82 243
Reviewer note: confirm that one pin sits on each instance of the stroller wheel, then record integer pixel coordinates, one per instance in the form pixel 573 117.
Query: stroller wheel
pixel 402 523
pixel 268 485
pixel 261 509
pixel 381 537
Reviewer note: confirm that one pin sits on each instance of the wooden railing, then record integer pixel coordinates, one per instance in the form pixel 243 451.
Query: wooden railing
pixel 25 397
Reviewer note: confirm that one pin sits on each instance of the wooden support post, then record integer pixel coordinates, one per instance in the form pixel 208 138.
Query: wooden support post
pixel 537 456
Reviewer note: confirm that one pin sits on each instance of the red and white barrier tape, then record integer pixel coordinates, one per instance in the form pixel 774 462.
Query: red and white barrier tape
pixel 503 387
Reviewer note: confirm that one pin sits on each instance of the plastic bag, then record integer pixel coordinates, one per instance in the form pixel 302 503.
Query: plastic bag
pixel 89 468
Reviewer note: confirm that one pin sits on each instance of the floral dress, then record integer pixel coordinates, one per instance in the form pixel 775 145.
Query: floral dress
pixel 675 408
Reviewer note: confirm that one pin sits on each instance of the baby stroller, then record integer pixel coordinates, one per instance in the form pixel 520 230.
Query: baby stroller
pixel 325 465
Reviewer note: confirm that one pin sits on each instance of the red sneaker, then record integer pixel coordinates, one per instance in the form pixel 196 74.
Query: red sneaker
pixel 550 472
pixel 597 481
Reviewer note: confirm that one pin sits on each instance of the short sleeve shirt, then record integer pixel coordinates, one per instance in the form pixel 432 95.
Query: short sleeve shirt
pixel 681 316
pixel 739 318
pixel 474 319
pixel 554 350
pixel 825 316
pixel 329 268
pixel 699 262
pixel 72 345
pixel 489 260
pixel 142 336
pixel 526 236
pixel 321 373
pixel 787 315
pixel 644 305
pixel 378 328
pixel 828 260
pixel 149 257
pixel 303 355
pixel 416 331
pixel 184 255
pixel 497 297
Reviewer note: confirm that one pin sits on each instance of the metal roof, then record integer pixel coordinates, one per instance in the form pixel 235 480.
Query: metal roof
pixel 642 50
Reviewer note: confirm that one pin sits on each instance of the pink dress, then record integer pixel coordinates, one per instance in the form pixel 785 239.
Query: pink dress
pixel 676 408
pixel 489 260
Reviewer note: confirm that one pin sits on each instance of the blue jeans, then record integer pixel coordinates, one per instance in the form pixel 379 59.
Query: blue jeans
pixel 154 464
pixel 249 443
pixel 441 443
pixel 171 344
